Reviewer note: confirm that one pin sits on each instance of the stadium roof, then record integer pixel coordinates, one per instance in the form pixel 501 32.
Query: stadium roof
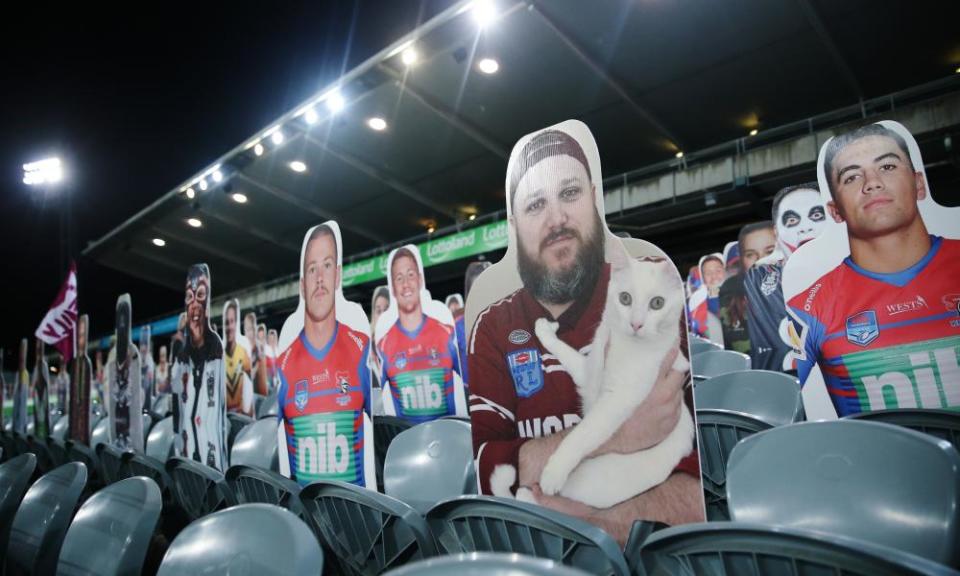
pixel 650 78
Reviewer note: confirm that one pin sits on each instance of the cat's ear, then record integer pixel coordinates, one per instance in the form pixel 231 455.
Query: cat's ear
pixel 617 255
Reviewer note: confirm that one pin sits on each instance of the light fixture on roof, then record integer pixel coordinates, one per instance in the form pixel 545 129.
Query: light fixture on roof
pixel 258 149
pixel 277 137
pixel 310 116
pixel 431 229
pixel 472 217
pixel 190 193
pixel 377 123
pixel 203 184
pixel 335 102
pixel 160 242
pixel 679 154
pixel 957 70
pixel 195 222
pixel 298 166
pixel 409 56
pixel 488 66
pixel 754 132
pixel 484 12
pixel 46 171
pixel 217 176
pixel 239 197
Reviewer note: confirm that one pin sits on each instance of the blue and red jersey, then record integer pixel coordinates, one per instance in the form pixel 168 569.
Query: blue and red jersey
pixel 885 341
pixel 418 369
pixel 324 394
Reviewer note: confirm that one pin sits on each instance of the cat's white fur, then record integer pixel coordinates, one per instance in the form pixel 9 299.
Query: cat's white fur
pixel 612 379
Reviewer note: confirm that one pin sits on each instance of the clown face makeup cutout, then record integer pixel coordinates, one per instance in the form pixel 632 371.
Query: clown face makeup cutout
pixel 800 218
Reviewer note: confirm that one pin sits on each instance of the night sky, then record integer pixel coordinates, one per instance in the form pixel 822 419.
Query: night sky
pixel 136 102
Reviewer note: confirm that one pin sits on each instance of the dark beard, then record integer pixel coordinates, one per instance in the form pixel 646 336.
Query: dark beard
pixel 566 285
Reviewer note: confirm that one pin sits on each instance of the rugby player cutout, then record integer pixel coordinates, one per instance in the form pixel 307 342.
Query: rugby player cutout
pixel 325 420
pixel 82 375
pixel 875 298
pixel 125 394
pixel 236 361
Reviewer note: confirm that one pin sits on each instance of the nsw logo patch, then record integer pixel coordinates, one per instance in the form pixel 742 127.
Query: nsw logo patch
pixel 862 328
pixel 526 371
pixel 301 395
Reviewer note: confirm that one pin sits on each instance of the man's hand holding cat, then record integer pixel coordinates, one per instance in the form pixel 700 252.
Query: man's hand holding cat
pixel 656 416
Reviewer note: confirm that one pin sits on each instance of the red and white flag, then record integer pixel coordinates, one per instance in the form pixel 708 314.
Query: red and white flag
pixel 58 326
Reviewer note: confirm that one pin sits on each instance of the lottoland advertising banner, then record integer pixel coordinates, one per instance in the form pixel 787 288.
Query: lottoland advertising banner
pixel 464 244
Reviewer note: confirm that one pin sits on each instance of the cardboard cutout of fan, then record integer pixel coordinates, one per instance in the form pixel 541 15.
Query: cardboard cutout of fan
pixel 126 394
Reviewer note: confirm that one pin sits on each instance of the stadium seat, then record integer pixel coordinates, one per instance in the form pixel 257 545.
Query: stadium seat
pixel 163 405
pixel 111 532
pixel 699 346
pixel 744 549
pixel 20 445
pixel 58 451
pixel 31 426
pixel 6 442
pixel 256 445
pixel 490 524
pixel 199 490
pixel 943 424
pixel 100 432
pixel 731 407
pixel 43 518
pixel 717 362
pixel 136 464
pixel 159 443
pixel 78 452
pixel 485 564
pixel 111 463
pixel 246 539
pixel 869 481
pixel 367 532
pixel 147 425
pixel 250 484
pixel 61 428
pixel 429 463
pixel 237 423
pixel 15 475
pixel 385 429
pixel 269 407
pixel 44 458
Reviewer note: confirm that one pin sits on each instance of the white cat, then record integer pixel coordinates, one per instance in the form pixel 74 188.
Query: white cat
pixel 639 326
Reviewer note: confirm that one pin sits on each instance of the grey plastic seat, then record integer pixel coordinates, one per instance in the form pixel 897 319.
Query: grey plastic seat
pixel 367 532
pixel 39 447
pixel 490 524
pixel 699 346
pixel 61 428
pixel 486 564
pixel 58 451
pixel 15 476
pixel 43 518
pixel 85 455
pixel 875 482
pixel 430 463
pixel 159 443
pixel 943 424
pixel 111 463
pixel 237 423
pixel 731 407
pixel 716 362
pixel 147 425
pixel 112 530
pixel 100 432
pixel 136 464
pixel 199 490
pixel 746 549
pixel 385 429
pixel 246 539
pixel 256 445
pixel 163 404
pixel 250 484
pixel 269 407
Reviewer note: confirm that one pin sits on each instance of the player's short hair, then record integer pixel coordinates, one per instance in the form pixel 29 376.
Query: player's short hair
pixel 750 229
pixel 784 192
pixel 545 145
pixel 838 143
pixel 318 232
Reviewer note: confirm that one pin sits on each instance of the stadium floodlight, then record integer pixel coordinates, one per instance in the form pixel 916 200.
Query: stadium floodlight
pixel 203 185
pixel 679 154
pixel 484 12
pixel 488 66
pixel 217 176
pixel 335 101
pixel 190 193
pixel 754 132
pixel 46 171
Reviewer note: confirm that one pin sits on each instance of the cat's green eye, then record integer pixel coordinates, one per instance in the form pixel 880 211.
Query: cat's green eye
pixel 656 302
pixel 625 298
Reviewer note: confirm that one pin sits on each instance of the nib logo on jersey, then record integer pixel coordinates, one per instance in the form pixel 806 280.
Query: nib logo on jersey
pixel 914 305
pixel 918 375
pixel 421 392
pixel 323 446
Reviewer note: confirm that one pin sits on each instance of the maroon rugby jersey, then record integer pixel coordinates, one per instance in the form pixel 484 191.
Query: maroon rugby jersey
pixel 520 391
